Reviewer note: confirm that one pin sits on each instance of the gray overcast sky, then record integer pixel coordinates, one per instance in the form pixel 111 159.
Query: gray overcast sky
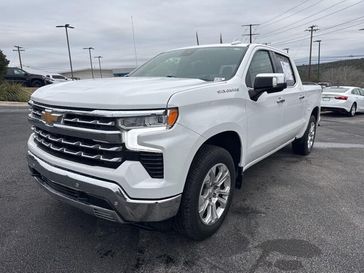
pixel 161 25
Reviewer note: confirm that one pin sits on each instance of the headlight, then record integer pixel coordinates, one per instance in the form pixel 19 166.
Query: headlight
pixel 168 118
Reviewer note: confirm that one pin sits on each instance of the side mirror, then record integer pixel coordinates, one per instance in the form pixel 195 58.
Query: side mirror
pixel 267 82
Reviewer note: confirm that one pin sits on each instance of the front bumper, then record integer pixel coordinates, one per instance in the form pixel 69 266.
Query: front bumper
pixel 102 198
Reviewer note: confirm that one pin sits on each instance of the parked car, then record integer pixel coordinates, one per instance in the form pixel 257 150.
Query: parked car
pixel 57 78
pixel 172 139
pixel 324 84
pixel 346 99
pixel 17 75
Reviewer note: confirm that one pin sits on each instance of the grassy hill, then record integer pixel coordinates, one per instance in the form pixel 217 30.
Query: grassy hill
pixel 345 72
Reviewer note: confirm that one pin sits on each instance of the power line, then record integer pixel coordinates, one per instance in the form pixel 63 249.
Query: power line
pixel 321 34
pixel 19 49
pixel 251 34
pixel 284 12
pixel 294 25
pixel 299 11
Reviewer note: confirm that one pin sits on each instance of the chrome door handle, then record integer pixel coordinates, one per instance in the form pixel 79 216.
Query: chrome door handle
pixel 281 100
pixel 301 97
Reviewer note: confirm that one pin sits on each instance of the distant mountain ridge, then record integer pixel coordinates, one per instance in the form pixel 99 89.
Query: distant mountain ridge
pixel 345 72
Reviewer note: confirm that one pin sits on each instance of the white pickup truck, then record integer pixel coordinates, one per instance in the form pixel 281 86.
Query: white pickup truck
pixel 172 139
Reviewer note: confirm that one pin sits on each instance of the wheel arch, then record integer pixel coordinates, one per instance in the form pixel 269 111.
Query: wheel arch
pixel 232 142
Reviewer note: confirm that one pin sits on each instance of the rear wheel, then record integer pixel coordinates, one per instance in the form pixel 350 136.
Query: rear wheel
pixel 304 145
pixel 352 111
pixel 208 193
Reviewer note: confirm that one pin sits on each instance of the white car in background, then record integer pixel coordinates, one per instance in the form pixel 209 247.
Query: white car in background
pixel 348 99
pixel 56 78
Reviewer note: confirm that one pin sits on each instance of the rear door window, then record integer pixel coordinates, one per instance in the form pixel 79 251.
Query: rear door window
pixel 284 66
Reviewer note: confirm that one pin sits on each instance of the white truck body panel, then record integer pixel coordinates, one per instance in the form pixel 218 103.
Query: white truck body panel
pixel 205 110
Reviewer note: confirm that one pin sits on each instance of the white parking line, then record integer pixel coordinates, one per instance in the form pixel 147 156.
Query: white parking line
pixel 326 145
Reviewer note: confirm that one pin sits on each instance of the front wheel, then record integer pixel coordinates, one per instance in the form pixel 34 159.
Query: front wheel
pixel 304 145
pixel 208 193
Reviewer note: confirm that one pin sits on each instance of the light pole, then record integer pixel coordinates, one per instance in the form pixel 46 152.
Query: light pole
pixel 66 27
pixel 89 52
pixel 318 58
pixel 99 57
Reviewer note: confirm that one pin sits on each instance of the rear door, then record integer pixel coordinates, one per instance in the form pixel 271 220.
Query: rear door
pixel 295 100
pixel 264 115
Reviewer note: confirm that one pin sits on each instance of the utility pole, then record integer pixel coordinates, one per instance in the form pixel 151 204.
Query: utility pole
pixel 251 34
pixel 66 27
pixel 286 49
pixel 19 49
pixel 89 52
pixel 197 40
pixel 99 57
pixel 318 58
pixel 311 29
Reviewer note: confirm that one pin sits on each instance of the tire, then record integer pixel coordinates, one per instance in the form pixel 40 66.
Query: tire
pixel 304 145
pixel 36 83
pixel 352 111
pixel 189 221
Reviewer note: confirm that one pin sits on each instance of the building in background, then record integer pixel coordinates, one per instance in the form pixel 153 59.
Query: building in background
pixel 83 74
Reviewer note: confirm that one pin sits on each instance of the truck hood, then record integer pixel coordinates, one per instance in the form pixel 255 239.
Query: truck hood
pixel 114 93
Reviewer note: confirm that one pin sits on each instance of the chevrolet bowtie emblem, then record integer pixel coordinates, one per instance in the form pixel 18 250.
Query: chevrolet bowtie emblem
pixel 50 118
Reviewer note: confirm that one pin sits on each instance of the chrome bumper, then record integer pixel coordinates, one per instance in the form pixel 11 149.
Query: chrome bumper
pixel 102 198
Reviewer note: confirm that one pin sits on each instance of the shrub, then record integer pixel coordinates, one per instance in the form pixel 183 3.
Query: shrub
pixel 14 92
pixel 3 64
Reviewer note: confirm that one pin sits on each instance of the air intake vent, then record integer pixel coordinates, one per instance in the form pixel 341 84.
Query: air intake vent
pixel 153 163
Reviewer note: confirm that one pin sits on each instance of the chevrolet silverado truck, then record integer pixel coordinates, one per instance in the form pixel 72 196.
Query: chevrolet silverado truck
pixel 170 141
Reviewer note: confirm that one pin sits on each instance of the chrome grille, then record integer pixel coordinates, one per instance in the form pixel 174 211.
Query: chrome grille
pixel 80 119
pixel 78 147
pixel 88 137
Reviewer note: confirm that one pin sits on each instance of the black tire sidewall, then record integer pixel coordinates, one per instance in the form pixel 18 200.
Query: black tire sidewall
pixel 312 120
pixel 351 114
pixel 36 83
pixel 206 158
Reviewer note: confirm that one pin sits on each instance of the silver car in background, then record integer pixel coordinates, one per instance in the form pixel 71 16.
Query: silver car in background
pixel 347 99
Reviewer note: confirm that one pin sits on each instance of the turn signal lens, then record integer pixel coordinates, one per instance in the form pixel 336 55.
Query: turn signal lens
pixel 172 116
pixel 341 98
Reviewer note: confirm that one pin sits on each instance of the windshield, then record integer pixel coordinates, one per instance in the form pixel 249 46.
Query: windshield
pixel 336 90
pixel 205 63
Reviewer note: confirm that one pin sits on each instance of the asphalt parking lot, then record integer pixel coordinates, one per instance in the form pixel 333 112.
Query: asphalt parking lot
pixel 298 214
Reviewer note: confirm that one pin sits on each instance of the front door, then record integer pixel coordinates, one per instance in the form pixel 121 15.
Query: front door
pixel 264 115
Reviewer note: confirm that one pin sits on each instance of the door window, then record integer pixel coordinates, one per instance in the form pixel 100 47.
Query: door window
pixel 284 66
pixel 261 63
pixel 18 72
